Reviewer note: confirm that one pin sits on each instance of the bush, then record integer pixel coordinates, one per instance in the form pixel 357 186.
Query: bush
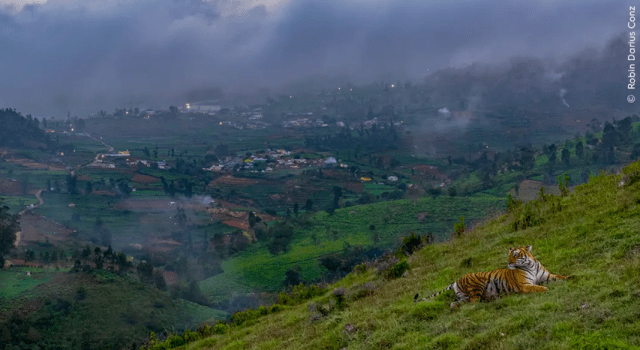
pixel 411 244
pixel 220 328
pixel 339 294
pixel 299 294
pixel 632 174
pixel 175 340
pixel 512 204
pixel 391 266
pixel 459 227
pixel 398 269
pixel 241 317
pixel 275 308
pixel 363 291
pixel 527 216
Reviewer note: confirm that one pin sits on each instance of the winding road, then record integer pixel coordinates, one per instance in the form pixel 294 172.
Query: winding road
pixel 39 193
pixel 97 158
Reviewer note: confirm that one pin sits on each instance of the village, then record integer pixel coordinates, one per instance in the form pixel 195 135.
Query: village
pixel 269 161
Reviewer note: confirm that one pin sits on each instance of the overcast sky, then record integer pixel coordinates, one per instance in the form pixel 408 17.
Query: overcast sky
pixel 85 55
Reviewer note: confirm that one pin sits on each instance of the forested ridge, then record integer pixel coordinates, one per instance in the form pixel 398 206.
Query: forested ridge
pixel 19 131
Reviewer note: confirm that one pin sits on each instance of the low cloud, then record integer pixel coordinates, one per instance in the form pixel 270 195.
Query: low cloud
pixel 84 55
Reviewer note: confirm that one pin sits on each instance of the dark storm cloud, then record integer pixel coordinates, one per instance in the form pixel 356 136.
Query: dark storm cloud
pixel 409 36
pixel 87 55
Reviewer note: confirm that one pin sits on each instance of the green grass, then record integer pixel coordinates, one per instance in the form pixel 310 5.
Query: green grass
pixel 15 282
pixel 257 268
pixel 377 189
pixel 591 235
pixel 17 203
pixel 107 310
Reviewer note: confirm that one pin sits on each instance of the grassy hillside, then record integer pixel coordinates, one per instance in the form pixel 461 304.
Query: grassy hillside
pixel 592 235
pixel 58 310
pixel 257 268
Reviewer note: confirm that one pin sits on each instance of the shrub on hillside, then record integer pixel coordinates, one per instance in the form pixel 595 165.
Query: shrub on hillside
pixel 390 266
pixel 299 294
pixel 632 174
pixel 413 243
pixel 362 291
pixel 459 227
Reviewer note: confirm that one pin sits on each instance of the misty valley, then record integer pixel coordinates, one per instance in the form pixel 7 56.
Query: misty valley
pixel 306 214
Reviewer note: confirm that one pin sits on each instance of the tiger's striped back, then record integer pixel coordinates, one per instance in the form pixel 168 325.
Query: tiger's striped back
pixel 523 276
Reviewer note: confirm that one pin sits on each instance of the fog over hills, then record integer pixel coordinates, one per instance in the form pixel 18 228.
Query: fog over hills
pixel 80 56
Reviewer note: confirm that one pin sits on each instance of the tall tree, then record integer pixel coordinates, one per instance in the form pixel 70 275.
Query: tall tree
pixel 551 153
pixel 579 149
pixel 72 183
pixel 337 193
pixel 566 156
pixel 8 229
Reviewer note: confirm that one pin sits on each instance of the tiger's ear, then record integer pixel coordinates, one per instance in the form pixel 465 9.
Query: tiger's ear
pixel 510 249
pixel 529 248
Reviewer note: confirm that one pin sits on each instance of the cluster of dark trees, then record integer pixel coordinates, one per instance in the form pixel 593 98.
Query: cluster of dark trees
pixel 109 260
pixel 278 236
pixel 616 135
pixel 342 263
pixel 618 139
pixel 379 138
pixel 183 186
pixel 21 132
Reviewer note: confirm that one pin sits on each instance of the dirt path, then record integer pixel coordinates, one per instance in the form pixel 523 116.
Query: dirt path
pixel 102 142
pixel 40 202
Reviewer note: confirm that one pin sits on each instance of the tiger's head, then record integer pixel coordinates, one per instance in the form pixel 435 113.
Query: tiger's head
pixel 520 257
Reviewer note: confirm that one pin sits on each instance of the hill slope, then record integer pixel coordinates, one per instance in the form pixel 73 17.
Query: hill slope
pixel 20 132
pixel 96 310
pixel 592 234
pixel 328 233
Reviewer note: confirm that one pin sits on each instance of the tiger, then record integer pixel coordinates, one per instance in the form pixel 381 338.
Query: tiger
pixel 523 275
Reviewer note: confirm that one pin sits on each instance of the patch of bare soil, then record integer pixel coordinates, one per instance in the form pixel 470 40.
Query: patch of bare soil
pixel 144 179
pixel 31 164
pixel 11 187
pixel 170 277
pixel 233 181
pixel 37 228
pixel 159 245
pixel 353 186
pixel 159 205
pixel 225 212
pixel 430 172
pixel 103 193
pixel 238 224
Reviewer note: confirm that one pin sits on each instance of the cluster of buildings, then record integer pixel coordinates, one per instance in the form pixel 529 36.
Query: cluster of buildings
pixel 304 122
pixel 253 125
pixel 100 161
pixel 272 160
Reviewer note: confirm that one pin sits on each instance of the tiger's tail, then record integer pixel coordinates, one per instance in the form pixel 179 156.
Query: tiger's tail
pixel 449 287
